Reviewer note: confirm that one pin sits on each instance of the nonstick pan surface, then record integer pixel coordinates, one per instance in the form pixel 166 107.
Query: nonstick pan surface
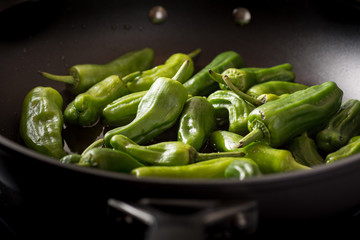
pixel 319 38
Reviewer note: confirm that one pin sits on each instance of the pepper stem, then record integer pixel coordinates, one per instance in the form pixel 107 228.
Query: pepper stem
pixel 194 53
pixel 60 78
pixel 216 76
pixel 200 157
pixel 255 135
pixel 243 95
pixel 182 71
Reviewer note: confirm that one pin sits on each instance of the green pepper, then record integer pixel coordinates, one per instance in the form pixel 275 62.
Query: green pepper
pixel 275 87
pixel 304 150
pixel 242 168
pixel 170 153
pixel 109 159
pixel 158 110
pixel 341 127
pixel 123 110
pixel 201 83
pixel 228 104
pixel 71 158
pixel 168 69
pixel 84 76
pixel 351 148
pixel 268 97
pixel 278 121
pixel 87 107
pixel 225 141
pixel 41 121
pixel 196 122
pixel 244 78
pixel 214 168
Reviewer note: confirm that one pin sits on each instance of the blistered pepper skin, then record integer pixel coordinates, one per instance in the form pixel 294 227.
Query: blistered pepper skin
pixel 201 84
pixel 344 125
pixel 84 76
pixel 278 121
pixel 196 122
pixel 41 121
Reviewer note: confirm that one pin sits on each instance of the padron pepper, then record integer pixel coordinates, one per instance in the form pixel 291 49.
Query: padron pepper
pixel 41 121
pixel 268 97
pixel 242 168
pixel 196 122
pixel 109 159
pixel 87 107
pixel 84 76
pixel 210 169
pixel 123 110
pixel 225 141
pixel 344 125
pixel 275 87
pixel 278 121
pixel 268 159
pixel 304 150
pixel 201 84
pixel 244 78
pixel 170 153
pixel 228 104
pixel 351 148
pixel 168 69
pixel 158 110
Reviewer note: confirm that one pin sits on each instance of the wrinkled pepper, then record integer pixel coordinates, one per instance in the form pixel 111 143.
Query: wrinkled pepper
pixel 201 84
pixel 304 150
pixel 168 69
pixel 84 76
pixel 244 78
pixel 275 87
pixel 123 110
pixel 351 148
pixel 109 159
pixel 196 122
pixel 278 121
pixel 170 153
pixel 268 159
pixel 158 110
pixel 41 122
pixel 87 107
pixel 344 125
pixel 214 168
pixel 242 168
pixel 228 104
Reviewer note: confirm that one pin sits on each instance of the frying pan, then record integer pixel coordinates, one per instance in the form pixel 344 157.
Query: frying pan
pixel 319 38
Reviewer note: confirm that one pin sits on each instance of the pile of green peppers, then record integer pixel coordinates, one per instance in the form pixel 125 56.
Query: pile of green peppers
pixel 223 121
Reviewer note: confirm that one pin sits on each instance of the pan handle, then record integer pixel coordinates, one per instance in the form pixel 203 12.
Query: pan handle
pixel 192 219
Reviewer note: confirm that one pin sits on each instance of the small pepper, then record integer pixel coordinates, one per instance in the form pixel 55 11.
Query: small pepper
pixel 304 150
pixel 269 160
pixel 344 125
pixel 71 158
pixel 225 141
pixel 109 159
pixel 84 76
pixel 228 104
pixel 268 97
pixel 351 148
pixel 244 78
pixel 275 87
pixel 41 121
pixel 201 84
pixel 279 121
pixel 196 122
pixel 168 69
pixel 123 110
pixel 214 168
pixel 170 153
pixel 158 110
pixel 87 107
pixel 242 168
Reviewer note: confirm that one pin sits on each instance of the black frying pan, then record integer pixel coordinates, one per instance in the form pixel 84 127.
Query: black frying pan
pixel 319 38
